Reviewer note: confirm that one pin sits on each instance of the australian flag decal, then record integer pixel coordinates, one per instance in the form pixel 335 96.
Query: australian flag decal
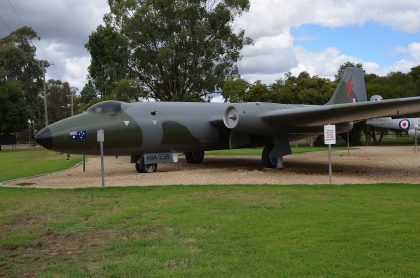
pixel 78 135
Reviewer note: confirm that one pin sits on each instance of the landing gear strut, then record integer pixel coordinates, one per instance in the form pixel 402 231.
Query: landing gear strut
pixel 141 167
pixel 194 157
pixel 271 161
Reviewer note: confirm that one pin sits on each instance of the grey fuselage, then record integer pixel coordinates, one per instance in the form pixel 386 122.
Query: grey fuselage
pixel 152 127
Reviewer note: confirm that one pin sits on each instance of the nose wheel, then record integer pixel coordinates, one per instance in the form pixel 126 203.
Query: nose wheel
pixel 141 167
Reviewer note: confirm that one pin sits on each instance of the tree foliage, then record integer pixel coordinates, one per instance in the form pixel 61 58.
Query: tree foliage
pixel 59 98
pixel 343 68
pixel 174 49
pixel 234 90
pixel 13 112
pixel 21 74
pixel 109 59
pixel 18 64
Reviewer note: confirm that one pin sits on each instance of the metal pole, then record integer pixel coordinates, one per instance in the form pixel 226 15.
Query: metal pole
pixel 84 163
pixel 348 143
pixel 415 137
pixel 101 144
pixel 72 101
pixel 329 165
pixel 45 94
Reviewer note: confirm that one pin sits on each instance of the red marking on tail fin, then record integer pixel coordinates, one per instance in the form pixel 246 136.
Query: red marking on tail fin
pixel 349 86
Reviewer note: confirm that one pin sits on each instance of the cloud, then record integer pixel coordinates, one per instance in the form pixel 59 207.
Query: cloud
pixel 411 60
pixel 269 17
pixel 64 27
pixel 269 23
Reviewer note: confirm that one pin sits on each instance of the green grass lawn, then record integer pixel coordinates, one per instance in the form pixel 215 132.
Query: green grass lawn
pixel 18 163
pixel 258 151
pixel 212 231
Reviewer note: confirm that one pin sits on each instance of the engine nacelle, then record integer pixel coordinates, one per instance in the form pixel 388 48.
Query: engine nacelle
pixel 246 118
pixel 376 98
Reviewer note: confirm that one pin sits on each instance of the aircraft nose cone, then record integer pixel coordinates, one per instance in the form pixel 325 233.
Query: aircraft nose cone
pixel 44 138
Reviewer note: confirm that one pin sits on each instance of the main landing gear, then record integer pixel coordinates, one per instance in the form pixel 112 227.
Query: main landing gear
pixel 272 155
pixel 194 157
pixel 271 161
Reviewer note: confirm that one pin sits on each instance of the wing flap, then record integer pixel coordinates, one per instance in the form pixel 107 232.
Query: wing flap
pixel 311 116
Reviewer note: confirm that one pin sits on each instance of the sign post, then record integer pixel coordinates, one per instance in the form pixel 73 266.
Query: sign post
pixel 84 163
pixel 329 139
pixel 348 143
pixel 101 139
pixel 416 126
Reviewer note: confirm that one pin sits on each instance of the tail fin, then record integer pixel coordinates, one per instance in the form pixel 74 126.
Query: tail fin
pixel 351 88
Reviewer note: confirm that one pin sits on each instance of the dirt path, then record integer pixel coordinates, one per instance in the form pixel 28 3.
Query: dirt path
pixel 364 165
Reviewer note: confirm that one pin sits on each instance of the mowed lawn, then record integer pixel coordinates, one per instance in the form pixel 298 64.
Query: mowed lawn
pixel 212 231
pixel 18 163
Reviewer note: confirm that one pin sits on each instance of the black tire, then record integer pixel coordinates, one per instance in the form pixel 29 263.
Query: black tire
pixel 265 157
pixel 145 168
pixel 194 157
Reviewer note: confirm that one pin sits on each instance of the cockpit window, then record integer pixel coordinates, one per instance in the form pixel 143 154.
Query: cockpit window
pixel 110 107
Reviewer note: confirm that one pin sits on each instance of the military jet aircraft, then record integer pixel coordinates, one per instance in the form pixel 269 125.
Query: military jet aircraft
pixel 407 124
pixel 152 132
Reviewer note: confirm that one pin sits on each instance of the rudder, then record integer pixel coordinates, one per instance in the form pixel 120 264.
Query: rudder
pixel 351 88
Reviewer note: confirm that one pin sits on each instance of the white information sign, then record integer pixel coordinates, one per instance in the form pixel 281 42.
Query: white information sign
pixel 100 135
pixel 329 135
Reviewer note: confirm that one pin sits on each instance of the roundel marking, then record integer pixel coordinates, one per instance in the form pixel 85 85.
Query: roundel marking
pixel 404 124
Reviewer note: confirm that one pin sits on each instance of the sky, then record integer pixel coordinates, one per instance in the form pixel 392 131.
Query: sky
pixel 288 36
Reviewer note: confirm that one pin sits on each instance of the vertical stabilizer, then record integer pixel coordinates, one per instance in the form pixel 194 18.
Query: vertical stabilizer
pixel 351 88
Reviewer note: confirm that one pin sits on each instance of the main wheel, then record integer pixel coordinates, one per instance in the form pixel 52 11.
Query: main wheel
pixel 145 168
pixel 265 157
pixel 194 157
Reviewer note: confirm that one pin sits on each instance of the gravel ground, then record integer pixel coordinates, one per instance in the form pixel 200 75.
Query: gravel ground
pixel 364 165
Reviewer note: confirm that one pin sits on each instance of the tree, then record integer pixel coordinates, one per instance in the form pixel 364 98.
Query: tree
pixel 343 68
pixel 18 64
pixel 128 90
pixel 234 90
pixel 59 100
pixel 13 114
pixel 258 92
pixel 88 93
pixel 109 59
pixel 177 50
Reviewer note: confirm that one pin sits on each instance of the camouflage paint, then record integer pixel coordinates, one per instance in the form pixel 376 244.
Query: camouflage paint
pixel 176 134
pixel 119 138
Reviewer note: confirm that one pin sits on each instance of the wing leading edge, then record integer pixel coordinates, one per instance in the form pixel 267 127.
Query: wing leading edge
pixel 311 116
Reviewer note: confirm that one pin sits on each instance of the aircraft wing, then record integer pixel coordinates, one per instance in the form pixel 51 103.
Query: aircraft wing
pixel 311 116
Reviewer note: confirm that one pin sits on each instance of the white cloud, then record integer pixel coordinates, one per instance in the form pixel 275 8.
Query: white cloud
pixel 273 53
pixel 411 60
pixel 64 27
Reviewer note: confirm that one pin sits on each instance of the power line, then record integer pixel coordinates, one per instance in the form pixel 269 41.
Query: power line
pixel 5 23
pixel 21 22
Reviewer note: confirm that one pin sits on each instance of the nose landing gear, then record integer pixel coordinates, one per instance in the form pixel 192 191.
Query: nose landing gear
pixel 142 167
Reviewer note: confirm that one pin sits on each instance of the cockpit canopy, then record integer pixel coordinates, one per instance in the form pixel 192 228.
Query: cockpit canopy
pixel 109 107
